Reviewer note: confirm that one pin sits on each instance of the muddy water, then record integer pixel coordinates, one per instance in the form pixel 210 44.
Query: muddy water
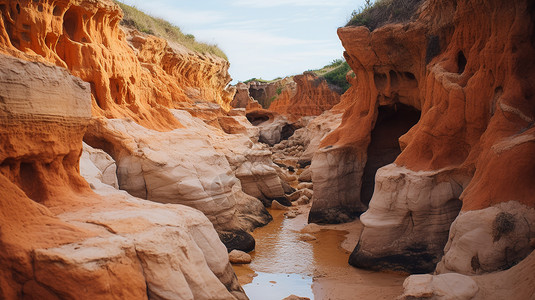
pixel 292 257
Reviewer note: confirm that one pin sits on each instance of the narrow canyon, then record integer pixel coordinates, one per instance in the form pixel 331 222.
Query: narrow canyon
pixel 130 167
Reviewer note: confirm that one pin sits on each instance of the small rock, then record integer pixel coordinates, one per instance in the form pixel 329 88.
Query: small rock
pixel 311 228
pixel 276 205
pixel 294 196
pixel 307 237
pixel 291 214
pixel 308 193
pixel 303 200
pixel 287 188
pixel 305 185
pixel 306 175
pixel 239 257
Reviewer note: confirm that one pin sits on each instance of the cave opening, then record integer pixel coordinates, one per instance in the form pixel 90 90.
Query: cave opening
pixel 392 122
pixel 461 62
pixel 70 23
pixel 287 131
pixel 257 118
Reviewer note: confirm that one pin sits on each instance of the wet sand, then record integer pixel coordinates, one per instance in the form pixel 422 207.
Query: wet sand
pixel 291 255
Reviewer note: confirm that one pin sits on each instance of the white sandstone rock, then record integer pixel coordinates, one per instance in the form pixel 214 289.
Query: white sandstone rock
pixel 449 286
pixel 305 185
pixel 97 164
pixel 408 210
pixel 489 239
pixel 180 166
pixel 239 257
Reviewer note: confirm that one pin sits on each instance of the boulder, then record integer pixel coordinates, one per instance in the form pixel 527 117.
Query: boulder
pixel 401 201
pixel 494 238
pixel 237 240
pixel 518 282
pixel 276 205
pixel 239 257
pixel 445 286
pixel 306 175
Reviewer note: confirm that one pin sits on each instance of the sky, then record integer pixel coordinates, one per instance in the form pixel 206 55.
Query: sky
pixel 261 38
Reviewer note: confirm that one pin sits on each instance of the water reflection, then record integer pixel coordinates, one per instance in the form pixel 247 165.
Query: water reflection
pixel 267 286
pixel 279 249
pixel 288 261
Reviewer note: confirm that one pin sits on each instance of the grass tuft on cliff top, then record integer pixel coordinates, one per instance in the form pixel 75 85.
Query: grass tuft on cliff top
pixel 382 12
pixel 139 20
pixel 335 73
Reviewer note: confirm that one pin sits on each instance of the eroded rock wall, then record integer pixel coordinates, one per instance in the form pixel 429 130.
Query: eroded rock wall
pixel 131 74
pixel 59 238
pixel 312 96
pixel 468 67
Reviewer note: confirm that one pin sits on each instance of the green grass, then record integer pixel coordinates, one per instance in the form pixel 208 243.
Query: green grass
pixel 335 73
pixel 261 80
pixel 383 12
pixel 139 20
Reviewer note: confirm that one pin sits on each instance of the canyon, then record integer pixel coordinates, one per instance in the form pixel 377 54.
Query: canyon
pixel 130 168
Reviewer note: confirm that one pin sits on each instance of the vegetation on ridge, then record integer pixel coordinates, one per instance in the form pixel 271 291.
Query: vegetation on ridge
pixel 159 27
pixel 335 73
pixel 383 12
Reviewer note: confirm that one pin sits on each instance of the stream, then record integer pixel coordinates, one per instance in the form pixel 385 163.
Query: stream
pixel 308 260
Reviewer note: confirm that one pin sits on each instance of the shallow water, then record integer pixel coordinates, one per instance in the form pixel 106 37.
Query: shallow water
pixel 289 261
pixel 268 286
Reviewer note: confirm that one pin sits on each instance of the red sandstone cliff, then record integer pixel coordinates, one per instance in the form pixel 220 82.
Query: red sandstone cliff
pixel 131 75
pixel 311 97
pixel 462 74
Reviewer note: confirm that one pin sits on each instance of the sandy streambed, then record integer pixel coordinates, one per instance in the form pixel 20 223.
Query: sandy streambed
pixel 292 257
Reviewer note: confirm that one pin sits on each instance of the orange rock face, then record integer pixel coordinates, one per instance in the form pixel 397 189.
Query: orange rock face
pixel 39 168
pixel 60 239
pixel 131 75
pixel 312 97
pixel 468 68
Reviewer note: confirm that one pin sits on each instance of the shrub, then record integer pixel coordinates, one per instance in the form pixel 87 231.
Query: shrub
pixel 337 76
pixel 503 224
pixel 383 12
pixel 137 19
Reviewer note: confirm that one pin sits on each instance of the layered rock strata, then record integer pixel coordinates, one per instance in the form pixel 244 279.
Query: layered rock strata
pixel 313 96
pixel 131 75
pixel 473 140
pixel 517 282
pixel 59 237
pixel 266 92
pixel 242 98
pixel 183 166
